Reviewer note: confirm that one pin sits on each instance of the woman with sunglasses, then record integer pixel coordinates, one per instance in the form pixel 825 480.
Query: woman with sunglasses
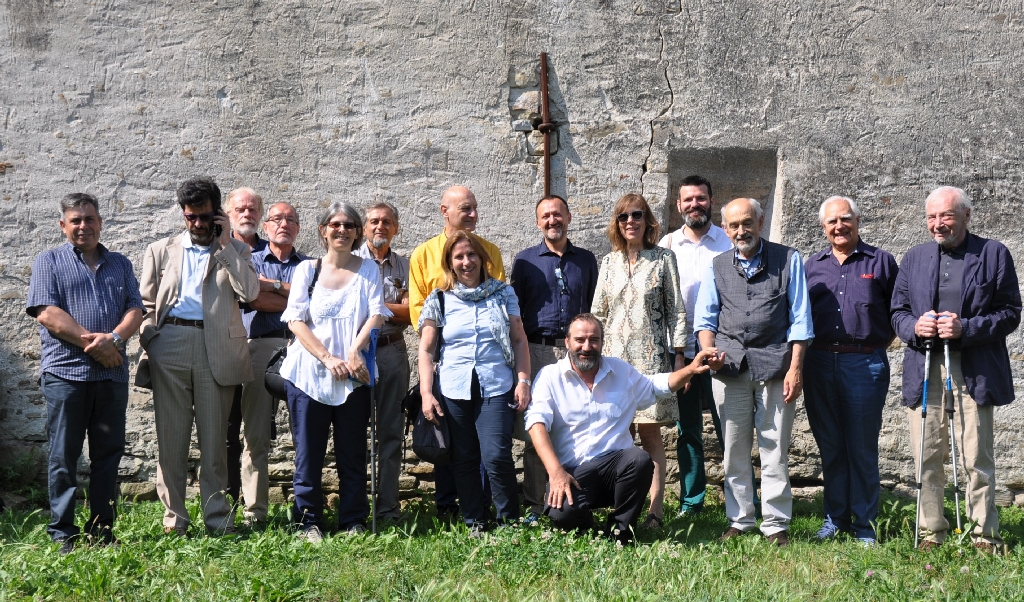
pixel 639 303
pixel 483 375
pixel 325 372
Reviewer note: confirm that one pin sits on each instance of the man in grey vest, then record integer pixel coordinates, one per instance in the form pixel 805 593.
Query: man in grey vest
pixel 754 308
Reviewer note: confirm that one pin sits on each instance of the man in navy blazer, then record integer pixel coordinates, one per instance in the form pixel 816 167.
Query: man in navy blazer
pixel 962 290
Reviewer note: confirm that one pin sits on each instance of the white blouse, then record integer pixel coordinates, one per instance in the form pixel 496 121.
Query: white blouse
pixel 335 317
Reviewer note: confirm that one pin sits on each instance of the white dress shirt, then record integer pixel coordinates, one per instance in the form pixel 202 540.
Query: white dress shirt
pixel 693 260
pixel 585 424
pixel 195 260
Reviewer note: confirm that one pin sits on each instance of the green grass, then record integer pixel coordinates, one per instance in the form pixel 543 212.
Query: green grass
pixel 417 559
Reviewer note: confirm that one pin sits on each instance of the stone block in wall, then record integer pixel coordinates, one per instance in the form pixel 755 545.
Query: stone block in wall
pixel 277 495
pixel 406 482
pixel 524 78
pixel 535 143
pixel 139 491
pixel 281 471
pixel 330 480
pixel 423 468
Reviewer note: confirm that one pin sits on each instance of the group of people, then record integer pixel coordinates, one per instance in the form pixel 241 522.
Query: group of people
pixel 576 358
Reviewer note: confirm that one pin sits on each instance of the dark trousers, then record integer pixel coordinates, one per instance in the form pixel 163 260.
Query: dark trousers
pixel 844 394
pixel 690 447
pixel 481 432
pixel 311 423
pixel 235 446
pixel 74 409
pixel 619 479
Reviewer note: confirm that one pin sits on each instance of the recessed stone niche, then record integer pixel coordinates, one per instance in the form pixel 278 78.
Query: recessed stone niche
pixel 524 105
pixel 733 173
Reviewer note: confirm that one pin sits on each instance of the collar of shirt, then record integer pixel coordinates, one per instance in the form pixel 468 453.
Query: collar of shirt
pixel 543 249
pixel 714 235
pixel 186 243
pixel 367 253
pixel 862 248
pixel 749 265
pixel 958 252
pixel 265 255
pixel 78 253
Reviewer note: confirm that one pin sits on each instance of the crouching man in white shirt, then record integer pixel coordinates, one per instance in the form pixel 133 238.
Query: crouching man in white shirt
pixel 579 421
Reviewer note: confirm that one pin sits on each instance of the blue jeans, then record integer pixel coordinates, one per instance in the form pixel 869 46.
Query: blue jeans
pixel 73 409
pixel 311 422
pixel 844 394
pixel 481 430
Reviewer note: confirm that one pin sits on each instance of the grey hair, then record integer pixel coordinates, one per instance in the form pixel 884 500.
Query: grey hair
pixel 286 204
pixel 382 205
pixel 758 211
pixel 78 199
pixel 963 202
pixel 350 212
pixel 230 199
pixel 854 209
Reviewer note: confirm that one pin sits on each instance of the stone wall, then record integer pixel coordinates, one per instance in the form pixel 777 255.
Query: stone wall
pixel 315 101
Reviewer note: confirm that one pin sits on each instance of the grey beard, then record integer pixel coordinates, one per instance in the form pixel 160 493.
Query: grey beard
pixel 585 364
pixel 560 236
pixel 698 223
pixel 246 230
pixel 379 242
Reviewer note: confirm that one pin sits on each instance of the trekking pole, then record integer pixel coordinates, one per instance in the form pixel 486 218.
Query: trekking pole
pixel 370 355
pixel 920 457
pixel 950 410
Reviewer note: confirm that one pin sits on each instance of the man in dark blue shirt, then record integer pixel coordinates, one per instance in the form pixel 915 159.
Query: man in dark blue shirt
pixel 554 281
pixel 274 263
pixel 87 302
pixel 846 373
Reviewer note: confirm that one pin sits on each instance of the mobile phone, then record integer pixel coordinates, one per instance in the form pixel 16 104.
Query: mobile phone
pixel 218 230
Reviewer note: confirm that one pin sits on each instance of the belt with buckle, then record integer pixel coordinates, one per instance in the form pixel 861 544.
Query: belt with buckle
pixel 549 341
pixel 180 322
pixel 384 341
pixel 846 348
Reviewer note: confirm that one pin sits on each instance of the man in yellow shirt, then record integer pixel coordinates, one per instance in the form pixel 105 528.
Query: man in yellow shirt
pixel 426 272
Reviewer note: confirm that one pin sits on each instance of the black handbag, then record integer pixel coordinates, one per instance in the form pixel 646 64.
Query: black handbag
pixel 272 379
pixel 430 442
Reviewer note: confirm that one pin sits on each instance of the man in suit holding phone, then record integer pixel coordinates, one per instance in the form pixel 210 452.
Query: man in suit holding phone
pixel 197 349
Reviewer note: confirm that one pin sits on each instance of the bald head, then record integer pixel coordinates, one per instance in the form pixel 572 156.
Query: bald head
pixel 742 220
pixel 458 208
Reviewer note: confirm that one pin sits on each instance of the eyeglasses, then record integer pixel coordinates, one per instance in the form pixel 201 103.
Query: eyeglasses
pixel 561 281
pixel 637 216
pixel 281 220
pixel 200 217
pixel 342 225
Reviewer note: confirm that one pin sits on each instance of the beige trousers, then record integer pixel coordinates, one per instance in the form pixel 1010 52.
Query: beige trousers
pixel 184 391
pixel 974 444
pixel 256 417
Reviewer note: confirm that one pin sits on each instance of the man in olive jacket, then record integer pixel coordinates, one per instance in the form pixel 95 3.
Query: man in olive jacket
pixel 963 291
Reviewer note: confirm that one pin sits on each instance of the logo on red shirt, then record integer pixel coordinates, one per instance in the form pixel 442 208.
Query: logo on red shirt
pixel 867 275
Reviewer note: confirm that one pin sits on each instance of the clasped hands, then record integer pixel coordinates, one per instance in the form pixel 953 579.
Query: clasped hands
pixel 945 325
pixel 340 369
pixel 100 347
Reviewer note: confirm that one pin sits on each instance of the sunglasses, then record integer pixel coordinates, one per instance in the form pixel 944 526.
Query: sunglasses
pixel 342 225
pixel 637 216
pixel 200 217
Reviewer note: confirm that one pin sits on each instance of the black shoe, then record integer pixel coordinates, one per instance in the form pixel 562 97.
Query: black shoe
pixel 67 545
pixel 103 536
pixel 447 513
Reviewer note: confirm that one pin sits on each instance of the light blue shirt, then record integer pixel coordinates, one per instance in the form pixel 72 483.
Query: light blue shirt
pixel 194 262
pixel 469 344
pixel 708 304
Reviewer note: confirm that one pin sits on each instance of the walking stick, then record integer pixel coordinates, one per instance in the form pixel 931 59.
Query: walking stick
pixel 950 404
pixel 920 457
pixel 370 355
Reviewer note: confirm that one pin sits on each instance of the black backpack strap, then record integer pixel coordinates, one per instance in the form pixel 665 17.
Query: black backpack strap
pixel 440 337
pixel 316 276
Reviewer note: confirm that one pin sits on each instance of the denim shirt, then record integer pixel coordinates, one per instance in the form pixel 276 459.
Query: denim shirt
pixel 469 345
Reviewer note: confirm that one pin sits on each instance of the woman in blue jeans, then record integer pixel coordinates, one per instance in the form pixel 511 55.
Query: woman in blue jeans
pixel 484 374
pixel 332 315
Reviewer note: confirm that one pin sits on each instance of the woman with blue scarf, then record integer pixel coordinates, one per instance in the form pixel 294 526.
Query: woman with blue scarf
pixel 484 376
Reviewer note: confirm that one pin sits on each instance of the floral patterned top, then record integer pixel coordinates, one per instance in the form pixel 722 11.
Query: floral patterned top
pixel 643 316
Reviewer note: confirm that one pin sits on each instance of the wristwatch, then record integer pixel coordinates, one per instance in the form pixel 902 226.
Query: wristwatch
pixel 118 341
pixel 277 285
pixel 529 383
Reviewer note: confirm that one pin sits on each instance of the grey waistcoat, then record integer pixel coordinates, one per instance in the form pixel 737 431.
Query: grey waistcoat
pixel 754 314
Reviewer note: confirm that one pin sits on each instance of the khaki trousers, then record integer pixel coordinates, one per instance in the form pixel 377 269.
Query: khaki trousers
pixel 974 444
pixel 257 414
pixel 535 476
pixel 184 391
pixel 747 407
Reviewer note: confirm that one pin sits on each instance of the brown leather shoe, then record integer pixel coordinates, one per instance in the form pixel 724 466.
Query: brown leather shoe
pixel 780 539
pixel 928 545
pixel 986 547
pixel 730 533
pixel 180 530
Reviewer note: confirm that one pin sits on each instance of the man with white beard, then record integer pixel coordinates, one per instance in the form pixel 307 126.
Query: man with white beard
pixel 380 225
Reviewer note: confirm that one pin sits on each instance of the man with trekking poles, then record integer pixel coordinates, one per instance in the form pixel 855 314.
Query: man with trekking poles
pixel 953 306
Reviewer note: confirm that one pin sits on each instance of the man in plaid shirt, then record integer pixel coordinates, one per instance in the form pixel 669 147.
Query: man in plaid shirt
pixel 87 302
